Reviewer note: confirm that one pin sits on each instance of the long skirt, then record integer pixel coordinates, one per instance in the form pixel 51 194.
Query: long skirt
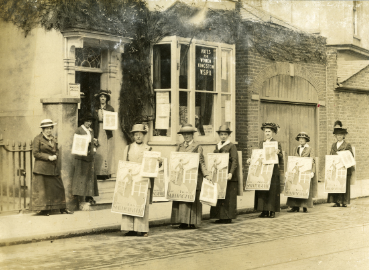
pixel 227 208
pixel 84 181
pixel 307 203
pixel 137 224
pixel 187 212
pixel 47 192
pixel 269 200
pixel 103 154
pixel 343 198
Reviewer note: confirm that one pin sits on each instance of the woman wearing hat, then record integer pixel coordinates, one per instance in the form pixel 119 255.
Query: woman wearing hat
pixel 226 209
pixel 269 201
pixel 341 145
pixel 188 214
pixel 84 183
pixel 47 187
pixel 304 150
pixel 105 147
pixel 134 153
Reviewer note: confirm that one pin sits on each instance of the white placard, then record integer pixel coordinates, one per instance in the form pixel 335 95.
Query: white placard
pixel 260 175
pixel 270 152
pixel 209 193
pixel 298 177
pixel 110 120
pixel 75 90
pixel 228 111
pixel 347 158
pixel 150 164
pixel 161 182
pixel 335 175
pixel 162 122
pixel 162 97
pixel 218 168
pixel 163 110
pixel 80 145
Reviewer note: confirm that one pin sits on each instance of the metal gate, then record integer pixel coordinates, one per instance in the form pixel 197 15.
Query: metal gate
pixel 15 175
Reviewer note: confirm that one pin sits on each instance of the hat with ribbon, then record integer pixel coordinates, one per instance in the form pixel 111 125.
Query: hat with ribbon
pixel 224 128
pixel 270 125
pixel 187 128
pixel 303 135
pixel 104 92
pixel 139 128
pixel 47 123
pixel 338 128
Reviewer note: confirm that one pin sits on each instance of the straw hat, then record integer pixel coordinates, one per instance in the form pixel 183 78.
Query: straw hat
pixel 303 135
pixel 270 125
pixel 139 128
pixel 47 123
pixel 103 92
pixel 187 128
pixel 338 129
pixel 224 128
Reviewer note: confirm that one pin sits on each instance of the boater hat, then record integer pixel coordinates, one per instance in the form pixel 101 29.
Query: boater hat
pixel 338 129
pixel 104 92
pixel 88 117
pixel 187 128
pixel 270 125
pixel 224 128
pixel 47 123
pixel 139 128
pixel 303 135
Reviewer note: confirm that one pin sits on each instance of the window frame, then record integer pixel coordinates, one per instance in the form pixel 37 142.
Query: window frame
pixel 175 42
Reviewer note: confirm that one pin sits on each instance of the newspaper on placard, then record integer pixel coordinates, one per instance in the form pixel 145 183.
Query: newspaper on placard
pixel 218 168
pixel 110 120
pixel 298 177
pixel 209 193
pixel 270 152
pixel 335 175
pixel 347 158
pixel 183 170
pixel 260 174
pixel 162 97
pixel 130 192
pixel 150 164
pixel 80 145
pixel 161 182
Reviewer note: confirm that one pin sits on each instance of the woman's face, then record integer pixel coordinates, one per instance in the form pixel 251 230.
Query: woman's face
pixel 188 137
pixel 302 141
pixel 88 123
pixel 340 137
pixel 223 136
pixel 138 136
pixel 47 131
pixel 102 99
pixel 268 133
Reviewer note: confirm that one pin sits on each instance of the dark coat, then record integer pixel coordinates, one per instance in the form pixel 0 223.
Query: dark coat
pixel 109 133
pixel 90 153
pixel 233 159
pixel 196 148
pixel 276 167
pixel 41 151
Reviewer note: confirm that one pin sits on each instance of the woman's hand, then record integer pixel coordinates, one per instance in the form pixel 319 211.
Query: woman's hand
pixel 311 175
pixel 229 176
pixel 277 151
pixel 52 158
pixel 248 161
pixel 208 177
pixel 160 159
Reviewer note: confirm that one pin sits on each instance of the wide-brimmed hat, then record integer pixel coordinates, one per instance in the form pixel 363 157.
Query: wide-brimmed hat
pixel 139 128
pixel 224 128
pixel 104 92
pixel 303 135
pixel 338 128
pixel 47 123
pixel 270 125
pixel 87 117
pixel 187 128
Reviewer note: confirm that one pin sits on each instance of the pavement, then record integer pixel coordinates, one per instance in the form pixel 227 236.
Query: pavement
pixel 324 238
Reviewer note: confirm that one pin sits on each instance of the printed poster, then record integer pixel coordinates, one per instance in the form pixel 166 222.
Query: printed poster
pixel 130 192
pixel 346 158
pixel 218 168
pixel 110 120
pixel 183 169
pixel 260 174
pixel 335 175
pixel 209 193
pixel 80 145
pixel 208 130
pixel 162 116
pixel 298 177
pixel 161 182
pixel 270 152
pixel 150 164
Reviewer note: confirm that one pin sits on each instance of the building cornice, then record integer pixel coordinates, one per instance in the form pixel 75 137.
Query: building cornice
pixel 350 47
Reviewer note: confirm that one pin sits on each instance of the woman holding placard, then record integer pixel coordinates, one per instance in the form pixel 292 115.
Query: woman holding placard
pixel 134 152
pixel 189 214
pixel 47 191
pixel 104 150
pixel 269 201
pixel 84 183
pixel 226 209
pixel 304 150
pixel 341 145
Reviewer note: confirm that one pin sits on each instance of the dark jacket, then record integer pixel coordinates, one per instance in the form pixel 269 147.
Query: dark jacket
pixel 233 158
pixel 90 153
pixel 196 148
pixel 42 149
pixel 277 167
pixel 109 133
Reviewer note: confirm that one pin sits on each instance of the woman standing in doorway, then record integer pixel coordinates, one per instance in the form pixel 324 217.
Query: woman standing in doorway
pixel 104 149
pixel 226 209
pixel 269 201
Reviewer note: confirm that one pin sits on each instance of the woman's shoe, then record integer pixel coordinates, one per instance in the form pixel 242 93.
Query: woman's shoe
pixel 131 233
pixel 65 210
pixel 44 213
pixel 227 221
pixel 294 209
pixel 192 226
pixel 337 205
pixel 272 214
pixel 305 210
pixel 183 226
pixel 344 205
pixel 264 214
pixel 219 221
pixel 145 234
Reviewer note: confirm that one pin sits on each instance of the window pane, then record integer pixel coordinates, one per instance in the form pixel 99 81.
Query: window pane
pixel 204 114
pixel 183 107
pixel 161 55
pixel 226 110
pixel 183 66
pixel 88 57
pixel 162 123
pixel 205 68
pixel 225 70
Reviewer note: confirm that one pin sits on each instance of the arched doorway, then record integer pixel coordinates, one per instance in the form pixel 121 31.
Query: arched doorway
pixel 291 102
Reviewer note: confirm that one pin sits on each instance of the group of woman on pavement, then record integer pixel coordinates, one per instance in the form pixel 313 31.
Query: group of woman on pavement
pixel 48 191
